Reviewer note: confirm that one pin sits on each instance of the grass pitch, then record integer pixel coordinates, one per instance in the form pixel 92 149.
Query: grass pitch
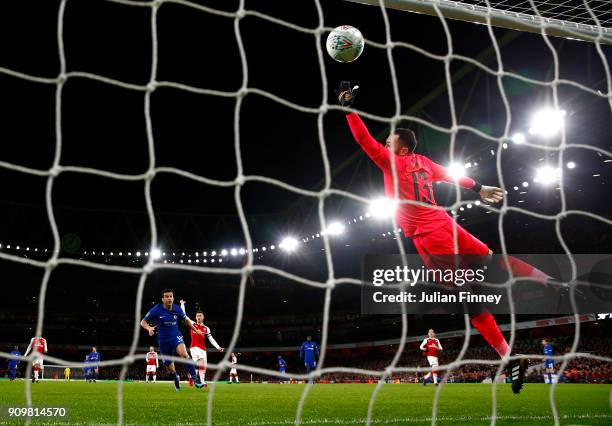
pixel 274 404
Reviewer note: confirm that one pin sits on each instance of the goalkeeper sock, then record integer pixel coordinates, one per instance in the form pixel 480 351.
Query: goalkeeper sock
pixel 488 328
pixel 523 269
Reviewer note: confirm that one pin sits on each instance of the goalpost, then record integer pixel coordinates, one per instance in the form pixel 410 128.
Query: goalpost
pixel 570 19
pixel 523 16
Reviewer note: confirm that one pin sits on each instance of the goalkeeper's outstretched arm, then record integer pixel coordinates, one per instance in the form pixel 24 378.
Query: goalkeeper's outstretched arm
pixel 376 151
pixel 489 194
pixel 380 155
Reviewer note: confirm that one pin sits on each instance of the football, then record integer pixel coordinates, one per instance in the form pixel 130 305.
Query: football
pixel 345 43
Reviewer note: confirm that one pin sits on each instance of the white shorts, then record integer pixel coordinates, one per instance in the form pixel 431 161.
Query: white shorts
pixel 233 371
pixel 38 361
pixel 433 360
pixel 151 368
pixel 198 353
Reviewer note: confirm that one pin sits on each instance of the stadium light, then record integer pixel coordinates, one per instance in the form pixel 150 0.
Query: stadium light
pixel 518 138
pixel 571 165
pixel 456 171
pixel 335 228
pixel 223 252
pixel 547 174
pixel 137 254
pixel 382 208
pixel 547 122
pixel 242 251
pixel 234 252
pixel 289 244
pixel 156 254
pixel 525 184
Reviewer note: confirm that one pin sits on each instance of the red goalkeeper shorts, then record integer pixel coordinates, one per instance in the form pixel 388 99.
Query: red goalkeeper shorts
pixel 441 241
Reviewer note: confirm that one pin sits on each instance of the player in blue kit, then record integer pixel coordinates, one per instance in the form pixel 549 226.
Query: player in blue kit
pixel 309 352
pixel 282 367
pixel 13 363
pixel 549 364
pixel 166 315
pixel 93 358
pixel 86 369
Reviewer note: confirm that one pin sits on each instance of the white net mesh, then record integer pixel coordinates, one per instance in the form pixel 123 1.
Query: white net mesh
pixel 582 12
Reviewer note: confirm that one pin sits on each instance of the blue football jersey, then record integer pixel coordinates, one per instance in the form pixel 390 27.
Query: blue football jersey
pixel 94 357
pixel 548 349
pixel 13 363
pixel 166 321
pixel 308 351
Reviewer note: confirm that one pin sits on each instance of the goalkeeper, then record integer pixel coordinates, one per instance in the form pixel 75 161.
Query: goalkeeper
pixel 430 227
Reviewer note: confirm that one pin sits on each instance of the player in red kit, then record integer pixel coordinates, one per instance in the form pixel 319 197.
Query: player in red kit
pixel 431 347
pixel 152 364
pixel 198 343
pixel 38 346
pixel 431 228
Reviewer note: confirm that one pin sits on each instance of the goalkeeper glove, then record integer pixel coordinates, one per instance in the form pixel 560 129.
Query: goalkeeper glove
pixel 346 94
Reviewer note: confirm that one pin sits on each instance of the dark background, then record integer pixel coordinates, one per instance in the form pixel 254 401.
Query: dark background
pixel 103 126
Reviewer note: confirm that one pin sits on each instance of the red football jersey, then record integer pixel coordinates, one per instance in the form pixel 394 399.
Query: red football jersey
pixel 39 344
pixel 415 174
pixel 432 346
pixel 151 358
pixel 198 341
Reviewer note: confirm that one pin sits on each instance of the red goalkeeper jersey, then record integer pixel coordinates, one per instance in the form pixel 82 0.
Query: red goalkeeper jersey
pixel 415 174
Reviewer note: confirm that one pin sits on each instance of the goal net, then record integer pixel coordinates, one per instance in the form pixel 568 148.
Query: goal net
pixel 409 54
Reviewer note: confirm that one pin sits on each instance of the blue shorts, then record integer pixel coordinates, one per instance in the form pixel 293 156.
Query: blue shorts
pixel 281 370
pixel 549 363
pixel 311 364
pixel 168 347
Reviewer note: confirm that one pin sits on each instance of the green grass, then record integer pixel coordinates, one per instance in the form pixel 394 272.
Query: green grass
pixel 275 404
